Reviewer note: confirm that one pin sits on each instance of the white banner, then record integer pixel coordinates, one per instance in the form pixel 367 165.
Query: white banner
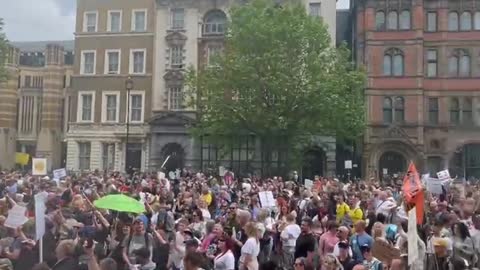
pixel 40 209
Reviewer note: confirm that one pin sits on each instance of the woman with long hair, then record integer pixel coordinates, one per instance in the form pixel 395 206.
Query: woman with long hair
pixel 463 246
pixel 251 248
pixel 197 223
pixel 225 260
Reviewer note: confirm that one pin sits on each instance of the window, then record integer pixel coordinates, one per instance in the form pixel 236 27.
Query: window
pixel 399 110
pixel 315 9
pixel 459 63
pixel 88 62
pixel 405 20
pixel 86 106
pixel 466 21
pixel 136 106
pixel 454 111
pixel 175 98
pixel 452 21
pixel 28 81
pixel 110 106
pixel 139 20
pixel 476 21
pixel 431 21
pixel 431 63
pixel 392 23
pixel 176 57
pixel 90 22
pixel 393 63
pixel 380 20
pixel 214 23
pixel 433 111
pixel 84 156
pixel 114 21
pixel 178 18
pixel 108 156
pixel 112 61
pixel 467 114
pixel 212 53
pixel 137 61
pixel 387 110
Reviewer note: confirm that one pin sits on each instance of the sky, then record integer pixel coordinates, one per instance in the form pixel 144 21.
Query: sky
pixel 33 20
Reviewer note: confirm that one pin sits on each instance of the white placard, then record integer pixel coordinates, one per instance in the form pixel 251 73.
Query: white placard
pixel 308 184
pixel 443 175
pixel 171 175
pixel 221 171
pixel 348 164
pixel 434 185
pixel 266 199
pixel 412 236
pixel 59 174
pixel 425 178
pixel 39 166
pixel 16 217
pixel 160 175
pixel 385 171
pixel 40 209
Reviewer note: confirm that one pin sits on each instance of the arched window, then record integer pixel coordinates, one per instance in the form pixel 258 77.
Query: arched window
pixel 392 23
pixel 466 21
pixel 393 62
pixel 380 20
pixel 405 20
pixel 476 21
pixel 467 114
pixel 453 21
pixel 459 63
pixel 454 111
pixel 399 109
pixel 214 22
pixel 387 110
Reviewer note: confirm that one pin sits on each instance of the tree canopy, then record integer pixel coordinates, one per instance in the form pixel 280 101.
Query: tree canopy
pixel 279 74
pixel 3 53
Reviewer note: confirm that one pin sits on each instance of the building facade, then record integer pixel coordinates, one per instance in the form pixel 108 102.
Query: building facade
pixel 34 102
pixel 188 34
pixel 113 42
pixel 422 93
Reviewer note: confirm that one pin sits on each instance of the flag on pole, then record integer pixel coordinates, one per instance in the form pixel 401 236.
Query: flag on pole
pixel 413 192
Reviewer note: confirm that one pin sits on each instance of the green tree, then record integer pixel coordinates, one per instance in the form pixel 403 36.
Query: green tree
pixel 3 53
pixel 280 79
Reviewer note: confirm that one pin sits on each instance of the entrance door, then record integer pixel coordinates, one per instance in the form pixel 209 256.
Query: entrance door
pixel 176 159
pixel 392 162
pixel 313 163
pixel 134 156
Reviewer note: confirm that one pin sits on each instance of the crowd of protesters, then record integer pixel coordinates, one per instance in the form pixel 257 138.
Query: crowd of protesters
pixel 200 221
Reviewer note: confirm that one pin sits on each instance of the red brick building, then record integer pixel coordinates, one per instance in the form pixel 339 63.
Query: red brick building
pixel 422 95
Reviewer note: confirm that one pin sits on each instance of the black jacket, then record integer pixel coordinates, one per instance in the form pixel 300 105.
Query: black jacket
pixel 66 264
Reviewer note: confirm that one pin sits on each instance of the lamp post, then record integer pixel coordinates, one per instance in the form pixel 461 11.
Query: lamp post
pixel 129 87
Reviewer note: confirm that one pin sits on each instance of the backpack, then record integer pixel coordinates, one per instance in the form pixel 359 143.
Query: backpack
pixel 147 242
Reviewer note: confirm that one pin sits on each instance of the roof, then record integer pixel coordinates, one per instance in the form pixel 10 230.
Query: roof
pixel 344 26
pixel 39 46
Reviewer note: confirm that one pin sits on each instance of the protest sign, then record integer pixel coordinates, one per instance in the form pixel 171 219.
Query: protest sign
pixel 39 166
pixel 59 174
pixel 308 184
pixel 348 164
pixel 434 186
pixel 384 251
pixel 443 175
pixel 160 175
pixel 221 171
pixel 40 209
pixel 16 217
pixel 266 199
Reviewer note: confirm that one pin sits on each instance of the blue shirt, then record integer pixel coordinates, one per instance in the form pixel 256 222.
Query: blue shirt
pixel 356 241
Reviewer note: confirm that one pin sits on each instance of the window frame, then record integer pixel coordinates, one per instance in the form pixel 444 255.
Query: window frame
pixel 131 64
pixel 428 24
pixel 315 4
pixel 104 117
pixel 399 110
pixel 106 155
pixel 80 107
pixel 109 20
pixel 476 26
pixel 182 56
pixel 383 26
pixel 387 109
pixel 81 156
pixel 182 100
pixel 216 32
pixel 82 62
pixel 173 26
pixel 400 20
pixel 129 100
pixel 211 48
pixel 433 110
pixel 458 55
pixel 466 110
pixel 392 53
pixel 134 23
pixel 85 21
pixel 460 21
pixel 388 25
pixel 457 21
pixel 430 61
pixel 107 61
pixel 456 110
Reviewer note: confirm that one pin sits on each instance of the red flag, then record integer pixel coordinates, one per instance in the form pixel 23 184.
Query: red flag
pixel 413 192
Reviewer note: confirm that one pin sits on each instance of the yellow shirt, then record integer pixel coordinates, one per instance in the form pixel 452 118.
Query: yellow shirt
pixel 342 209
pixel 207 198
pixel 355 214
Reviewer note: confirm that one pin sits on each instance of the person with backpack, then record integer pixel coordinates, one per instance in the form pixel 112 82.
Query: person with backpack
pixel 139 238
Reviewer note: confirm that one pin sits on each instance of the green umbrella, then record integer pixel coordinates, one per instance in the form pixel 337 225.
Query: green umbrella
pixel 120 203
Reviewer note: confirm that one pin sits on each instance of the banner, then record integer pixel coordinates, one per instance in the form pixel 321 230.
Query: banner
pixel 413 192
pixel 40 209
pixel 22 158
pixel 39 166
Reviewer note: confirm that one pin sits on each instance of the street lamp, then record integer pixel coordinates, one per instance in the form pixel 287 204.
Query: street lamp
pixel 129 87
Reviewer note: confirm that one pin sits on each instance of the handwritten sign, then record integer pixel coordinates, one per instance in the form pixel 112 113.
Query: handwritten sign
pixel 266 199
pixel 59 174
pixel 348 164
pixel 160 175
pixel 434 186
pixel 16 217
pixel 443 175
pixel 308 184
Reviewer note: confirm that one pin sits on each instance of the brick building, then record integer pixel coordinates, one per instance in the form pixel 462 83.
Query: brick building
pixel 423 65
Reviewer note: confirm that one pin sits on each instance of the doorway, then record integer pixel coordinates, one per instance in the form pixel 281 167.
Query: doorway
pixel 176 159
pixel 391 163
pixel 134 156
pixel 314 163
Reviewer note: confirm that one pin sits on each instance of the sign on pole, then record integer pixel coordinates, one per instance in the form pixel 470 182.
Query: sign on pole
pixel 348 164
pixel 443 175
pixel 39 166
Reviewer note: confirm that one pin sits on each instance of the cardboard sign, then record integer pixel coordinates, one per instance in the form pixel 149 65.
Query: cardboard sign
pixel 434 186
pixel 221 171
pixel 384 251
pixel 308 184
pixel 59 174
pixel 39 166
pixel 266 199
pixel 348 164
pixel 16 217
pixel 443 175
pixel 385 171
pixel 160 175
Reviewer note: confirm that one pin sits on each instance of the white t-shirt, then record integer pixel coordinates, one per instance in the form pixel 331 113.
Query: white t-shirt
pixel 206 214
pixel 251 247
pixel 225 261
pixel 290 234
pixel 385 207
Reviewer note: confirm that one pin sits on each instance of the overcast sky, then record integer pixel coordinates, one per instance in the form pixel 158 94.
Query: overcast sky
pixel 31 20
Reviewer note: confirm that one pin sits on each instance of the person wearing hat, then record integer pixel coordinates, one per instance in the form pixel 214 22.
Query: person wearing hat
pixel 344 255
pixel 370 262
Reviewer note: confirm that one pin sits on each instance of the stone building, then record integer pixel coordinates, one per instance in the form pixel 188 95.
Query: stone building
pixel 34 101
pixel 422 92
